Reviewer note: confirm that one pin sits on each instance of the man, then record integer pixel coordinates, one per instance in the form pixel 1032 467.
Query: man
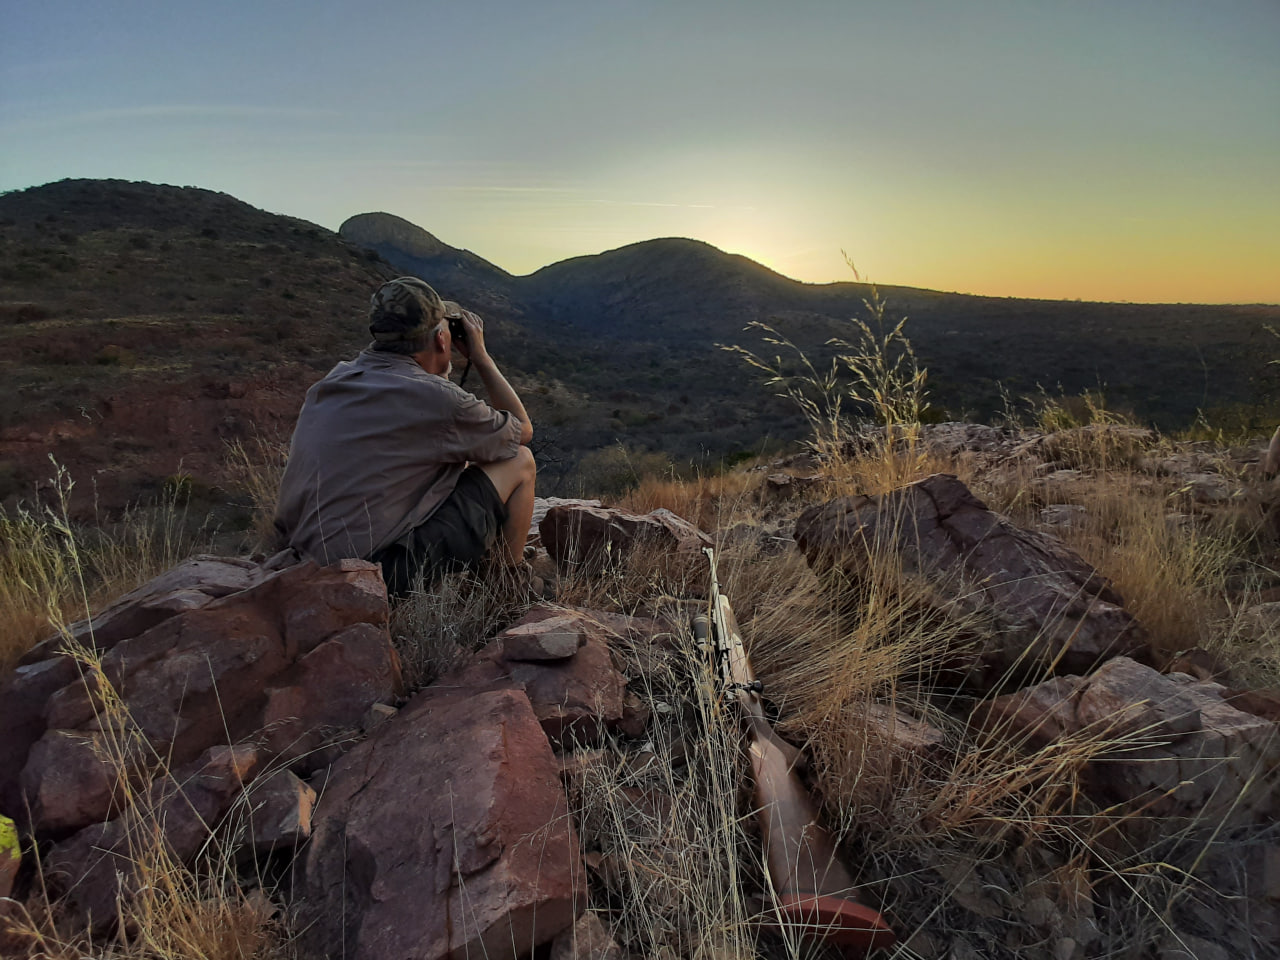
pixel 392 462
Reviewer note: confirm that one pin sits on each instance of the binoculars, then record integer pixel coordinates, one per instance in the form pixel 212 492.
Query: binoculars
pixel 453 313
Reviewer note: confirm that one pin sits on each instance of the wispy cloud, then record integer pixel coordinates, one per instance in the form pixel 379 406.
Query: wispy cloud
pixel 168 112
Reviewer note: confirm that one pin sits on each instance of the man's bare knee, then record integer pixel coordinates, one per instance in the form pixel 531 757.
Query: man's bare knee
pixel 507 475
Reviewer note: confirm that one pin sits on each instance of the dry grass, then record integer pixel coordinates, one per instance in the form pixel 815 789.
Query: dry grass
pixel 165 909
pixel 53 570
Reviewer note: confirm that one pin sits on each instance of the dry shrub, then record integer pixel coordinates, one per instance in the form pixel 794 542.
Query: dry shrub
pixel 438 626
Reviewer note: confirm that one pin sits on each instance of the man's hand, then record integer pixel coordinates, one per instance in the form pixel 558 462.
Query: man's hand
pixel 501 395
pixel 473 347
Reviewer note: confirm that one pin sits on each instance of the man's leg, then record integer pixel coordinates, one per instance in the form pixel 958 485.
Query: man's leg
pixel 514 480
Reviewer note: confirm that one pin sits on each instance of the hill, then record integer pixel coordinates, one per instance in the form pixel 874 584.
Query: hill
pixel 144 327
pixel 1165 363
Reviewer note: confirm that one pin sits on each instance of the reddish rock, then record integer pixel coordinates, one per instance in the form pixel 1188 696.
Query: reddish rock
pixel 904 735
pixel 279 812
pixel 22 701
pixel 328 691
pixel 200 677
pixel 588 939
pixel 297 657
pixel 580 536
pixel 1029 600
pixel 70 781
pixel 102 866
pixel 188 586
pixel 543 638
pixel 445 834
pixel 1261 703
pixel 1180 748
pixel 1198 663
pixel 1035 716
pixel 635 716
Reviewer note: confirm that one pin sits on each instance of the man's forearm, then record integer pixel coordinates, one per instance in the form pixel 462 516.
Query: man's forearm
pixel 502 396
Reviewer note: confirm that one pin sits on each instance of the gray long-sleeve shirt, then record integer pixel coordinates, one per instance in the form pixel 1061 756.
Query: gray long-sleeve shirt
pixel 379 444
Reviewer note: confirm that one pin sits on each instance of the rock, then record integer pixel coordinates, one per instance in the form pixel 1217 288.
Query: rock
pixel 903 735
pixel 577 699
pixel 70 782
pixel 1032 603
pixel 10 856
pixel 541 505
pixel 300 652
pixel 103 865
pixel 1181 749
pixel 1197 662
pixel 1125 699
pixel 279 812
pixel 954 438
pixel 635 716
pixel 326 693
pixel 545 638
pixel 781 486
pixel 376 714
pixel 480 858
pixel 1261 703
pixel 188 586
pixel 588 939
pixel 1064 515
pixel 22 700
pixel 591 537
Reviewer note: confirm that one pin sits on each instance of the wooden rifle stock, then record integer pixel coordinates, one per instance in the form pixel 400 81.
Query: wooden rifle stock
pixel 813 889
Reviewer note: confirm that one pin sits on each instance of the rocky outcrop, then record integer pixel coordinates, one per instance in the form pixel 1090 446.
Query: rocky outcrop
pixel 1030 602
pixel 579 537
pixel 444 834
pixel 1171 745
pixel 180 695
pixel 291 660
pixel 575 698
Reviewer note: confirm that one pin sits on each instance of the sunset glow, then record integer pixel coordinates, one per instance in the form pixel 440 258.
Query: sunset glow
pixel 1110 151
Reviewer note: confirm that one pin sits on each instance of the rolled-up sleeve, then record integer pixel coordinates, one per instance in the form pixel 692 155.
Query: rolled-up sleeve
pixel 483 434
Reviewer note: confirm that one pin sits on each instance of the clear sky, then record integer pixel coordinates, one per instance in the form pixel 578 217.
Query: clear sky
pixel 1096 149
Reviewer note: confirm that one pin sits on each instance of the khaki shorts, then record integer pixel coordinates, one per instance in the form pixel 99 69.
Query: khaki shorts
pixel 457 535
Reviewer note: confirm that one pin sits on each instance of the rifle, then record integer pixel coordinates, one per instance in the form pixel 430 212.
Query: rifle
pixel 814 891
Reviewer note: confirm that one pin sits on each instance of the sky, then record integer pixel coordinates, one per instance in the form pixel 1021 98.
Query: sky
pixel 1066 149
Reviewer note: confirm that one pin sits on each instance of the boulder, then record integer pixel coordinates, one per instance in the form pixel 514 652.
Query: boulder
pixel 588 939
pixel 296 656
pixel 1029 601
pixel 104 866
pixel 188 586
pixel 592 537
pixel 546 638
pixel 577 698
pixel 279 812
pixel 22 701
pixel 329 690
pixel 1177 747
pixel 71 781
pixel 479 857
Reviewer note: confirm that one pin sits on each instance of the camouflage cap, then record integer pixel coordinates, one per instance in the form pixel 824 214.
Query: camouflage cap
pixel 404 309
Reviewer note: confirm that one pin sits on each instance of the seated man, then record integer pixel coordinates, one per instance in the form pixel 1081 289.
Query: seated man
pixel 392 462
